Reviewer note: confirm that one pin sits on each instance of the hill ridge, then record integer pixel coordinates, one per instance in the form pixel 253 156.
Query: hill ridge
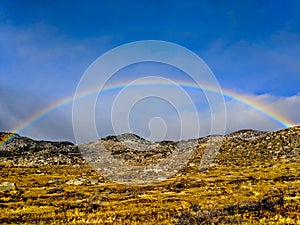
pixel 237 147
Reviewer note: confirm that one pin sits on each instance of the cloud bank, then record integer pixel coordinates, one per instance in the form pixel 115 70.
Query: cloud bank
pixel 147 116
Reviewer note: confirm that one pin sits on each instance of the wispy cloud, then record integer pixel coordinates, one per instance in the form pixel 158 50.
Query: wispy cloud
pixel 268 66
pixel 38 57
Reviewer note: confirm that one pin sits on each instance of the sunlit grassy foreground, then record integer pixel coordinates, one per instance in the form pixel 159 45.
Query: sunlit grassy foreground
pixel 266 193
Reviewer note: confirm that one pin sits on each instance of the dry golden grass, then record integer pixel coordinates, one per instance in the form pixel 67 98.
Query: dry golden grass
pixel 262 193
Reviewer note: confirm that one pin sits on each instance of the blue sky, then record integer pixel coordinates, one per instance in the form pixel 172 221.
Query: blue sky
pixel 252 47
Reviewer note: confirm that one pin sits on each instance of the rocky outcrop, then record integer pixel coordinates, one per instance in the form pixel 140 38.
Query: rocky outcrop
pixel 247 134
pixel 282 144
pixel 241 148
pixel 23 150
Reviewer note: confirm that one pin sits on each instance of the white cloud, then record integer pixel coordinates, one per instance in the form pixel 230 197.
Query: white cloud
pixel 57 124
pixel 241 116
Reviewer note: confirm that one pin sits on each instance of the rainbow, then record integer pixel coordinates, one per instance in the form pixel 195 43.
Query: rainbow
pixel 246 100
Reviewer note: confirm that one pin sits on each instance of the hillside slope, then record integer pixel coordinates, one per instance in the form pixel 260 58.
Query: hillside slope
pixel 254 179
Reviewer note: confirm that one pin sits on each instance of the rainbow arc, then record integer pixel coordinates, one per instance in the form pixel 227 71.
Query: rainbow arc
pixel 275 116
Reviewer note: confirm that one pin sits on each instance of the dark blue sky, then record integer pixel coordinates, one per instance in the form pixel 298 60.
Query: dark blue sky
pixel 253 47
pixel 241 41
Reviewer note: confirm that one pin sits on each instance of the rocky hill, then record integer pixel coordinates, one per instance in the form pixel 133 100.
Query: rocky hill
pixel 247 177
pixel 282 144
pixel 240 148
pixel 246 134
pixel 25 151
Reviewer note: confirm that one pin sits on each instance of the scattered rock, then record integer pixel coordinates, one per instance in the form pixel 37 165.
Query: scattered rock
pixel 203 169
pixel 94 181
pixel 77 166
pixel 55 190
pixel 246 134
pixel 8 186
pixel 282 144
pixel 38 172
pixel 53 181
pixel 77 181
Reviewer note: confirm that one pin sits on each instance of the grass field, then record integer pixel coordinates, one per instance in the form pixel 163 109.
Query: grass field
pixel 261 193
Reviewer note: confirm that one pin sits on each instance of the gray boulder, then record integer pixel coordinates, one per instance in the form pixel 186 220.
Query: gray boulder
pixel 8 186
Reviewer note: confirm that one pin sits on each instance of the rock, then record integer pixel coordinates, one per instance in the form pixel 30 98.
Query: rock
pixel 53 181
pixel 203 169
pixel 8 186
pixel 55 190
pixel 77 166
pixel 76 181
pixel 38 172
pixel 94 181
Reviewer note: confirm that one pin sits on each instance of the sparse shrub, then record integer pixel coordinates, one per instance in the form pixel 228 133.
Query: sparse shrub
pixel 195 207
